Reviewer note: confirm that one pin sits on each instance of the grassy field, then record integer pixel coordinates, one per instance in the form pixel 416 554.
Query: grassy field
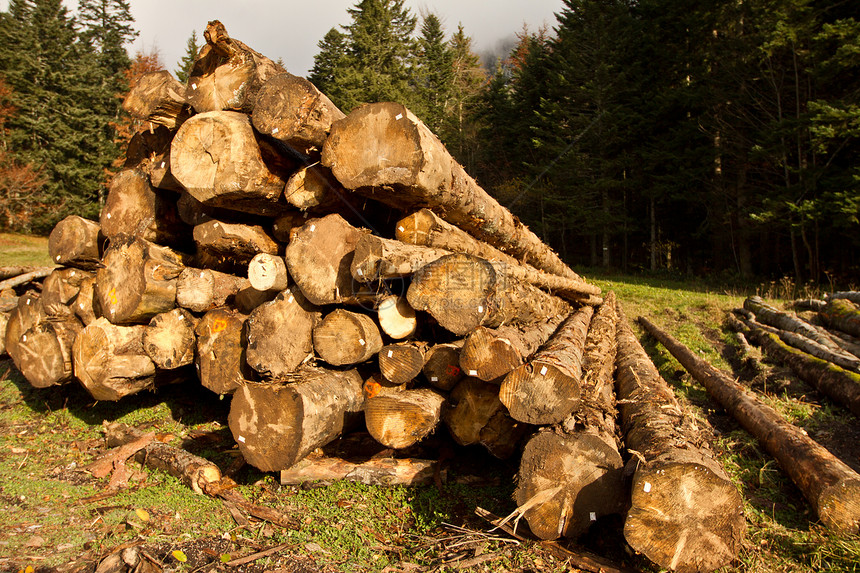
pixel 58 517
pixel 23 250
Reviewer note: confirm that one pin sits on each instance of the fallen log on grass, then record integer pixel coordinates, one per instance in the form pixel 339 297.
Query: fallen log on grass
pixel 784 321
pixel 852 295
pixel 830 485
pixel 25 278
pixel 842 314
pixel 382 471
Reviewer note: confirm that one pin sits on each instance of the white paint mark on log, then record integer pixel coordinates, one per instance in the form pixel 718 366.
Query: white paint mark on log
pixel 361 341
pixel 194 86
pixel 24 338
pixel 390 353
pixel 473 372
pixel 400 228
pixel 434 379
pixel 647 487
pixel 398 116
pixel 163 164
pixel 275 130
pixel 592 516
pixel 108 216
pixel 543 371
pixel 241 439
pixel 292 298
pixel 480 309
pixel 58 257
pixel 313 228
pixel 360 272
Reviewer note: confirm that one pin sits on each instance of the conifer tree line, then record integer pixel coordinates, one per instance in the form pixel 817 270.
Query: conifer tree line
pixel 705 137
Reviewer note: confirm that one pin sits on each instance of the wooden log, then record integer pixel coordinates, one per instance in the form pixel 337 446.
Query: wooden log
pixel 85 305
pixel 842 314
pixel 463 292
pixel 149 151
pixel 201 290
pixel 769 315
pixel 276 425
pixel 396 318
pixel 377 258
pixel 283 225
pixel 685 514
pixel 313 187
pixel 13 272
pixel 547 388
pixel 109 360
pixel 4 321
pixel 61 287
pixel 401 362
pixel 812 304
pixel 385 152
pixel 45 351
pixel 227 74
pixel 280 334
pixel 218 159
pixel 220 358
pixel 169 339
pixel 442 364
pixel 853 296
pixel 381 471
pixel 74 242
pixel 268 272
pixel 399 419
pixel 832 488
pixel 25 278
pixel 8 302
pixel 28 313
pixel 138 280
pixel 343 337
pixel 319 258
pixel 490 353
pixel 157 97
pixel 134 207
pixel 475 415
pixel 233 243
pixel 292 110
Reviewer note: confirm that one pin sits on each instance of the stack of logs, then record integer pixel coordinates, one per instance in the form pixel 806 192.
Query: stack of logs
pixel 319 267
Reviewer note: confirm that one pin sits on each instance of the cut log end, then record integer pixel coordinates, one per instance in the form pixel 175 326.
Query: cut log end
pixel 401 419
pixel 839 506
pixel 540 393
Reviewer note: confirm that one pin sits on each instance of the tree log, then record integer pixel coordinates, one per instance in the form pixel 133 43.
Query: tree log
pixel 157 97
pixel 842 314
pixel 149 151
pixel 377 258
pixel 138 280
pixel 280 334
pixel 547 388
pixel 74 242
pixel 399 419
pixel 200 290
pixel 284 224
pixel 853 296
pixel 442 364
pixel 45 351
pixel 385 152
pixel 769 315
pixel 276 425
pixel 831 486
pixel 220 357
pixel 268 272
pixel 227 74
pixel 61 287
pixel 27 314
pixel 463 292
pixel 314 188
pixel 25 278
pixel 382 471
pixel 109 360
pixel 396 318
pixel 292 110
pixel 345 337
pixel 85 306
pixel 685 512
pixel 233 244
pixel 169 339
pixel 401 362
pixel 14 272
pixel 4 321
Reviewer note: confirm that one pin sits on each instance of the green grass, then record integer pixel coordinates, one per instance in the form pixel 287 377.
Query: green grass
pixel 24 250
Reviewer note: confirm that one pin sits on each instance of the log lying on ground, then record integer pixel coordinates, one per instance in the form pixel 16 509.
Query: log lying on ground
pixel 401 362
pixel 14 272
pixel 169 339
pixel 233 244
pixel 579 459
pixel 385 152
pixel 442 364
pixel 490 353
pixel 382 471
pixel 45 350
pixel 74 242
pixel 61 287
pixel 25 278
pixel 138 280
pixel 220 357
pixel 853 296
pixel 157 97
pixel 110 362
pixel 292 110
pixel 200 290
pixel 276 425
pixel 547 388
pixel 401 418
pixel 226 73
pixel 396 318
pixel 345 337
pixel 771 316
pixel 685 512
pixel 831 486
pixel 280 334
pixel 809 304
pixel 842 314
pixel 463 292
pixel 268 272
pixel 27 314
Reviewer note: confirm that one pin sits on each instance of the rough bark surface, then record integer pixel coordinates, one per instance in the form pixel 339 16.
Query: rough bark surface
pixel 74 242
pixel 233 244
pixel 842 314
pixel 377 258
pixel 383 471
pixel 771 316
pixel 344 337
pixel 841 358
pixel 61 287
pixel 169 339
pixel 157 97
pixel 399 419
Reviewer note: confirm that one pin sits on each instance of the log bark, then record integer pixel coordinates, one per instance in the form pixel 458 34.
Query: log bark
pixel 220 357
pixel 830 485
pixel 169 339
pixel 45 351
pixel 547 388
pixel 27 314
pixel 385 152
pixel 74 242
pixel 292 110
pixel 276 425
pixel 401 362
pixel 218 159
pixel 271 352
pixel 685 514
pixel 268 272
pixel 14 272
pixel 842 314
pixel 201 290
pixel 383 471
pixel 399 419
pixel 61 287
pixel 233 244
pixel 4 321
pixel 463 292
pixel 769 315
pixel 109 360
pixel 490 353
pixel 227 74
pixel 396 318
pixel 157 97
pixel 853 296
pixel 377 258
pixel 138 280
pixel 442 364
pixel 344 337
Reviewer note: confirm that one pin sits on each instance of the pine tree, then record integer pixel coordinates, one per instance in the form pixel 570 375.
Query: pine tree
pixel 183 69
pixel 434 74
pixel 468 80
pixel 329 65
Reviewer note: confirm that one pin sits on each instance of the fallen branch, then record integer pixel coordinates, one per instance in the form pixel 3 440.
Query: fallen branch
pixel 258 555
pixel 19 280
pixel 12 272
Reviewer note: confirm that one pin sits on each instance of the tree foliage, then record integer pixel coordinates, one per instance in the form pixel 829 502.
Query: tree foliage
pixel 183 67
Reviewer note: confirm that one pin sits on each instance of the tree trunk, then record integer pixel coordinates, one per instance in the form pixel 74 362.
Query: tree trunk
pixel 268 272
pixel 853 296
pixel 492 353
pixel 401 362
pixel 28 314
pixel 227 74
pixel 233 245
pixel 149 151
pixel 61 287
pixel 217 158
pixel 220 357
pixel 4 321
pixel 831 487
pixel 138 280
pixel 74 242
pixel 379 472
pixel 201 290
pixel 169 339
pixel 396 318
pixel 292 110
pixel 157 97
pixel 314 188
pixel 842 358
pixel 842 314
pixel 685 515
pixel 25 278
pixel 463 292
pixel 442 364
pixel 109 360
pixel 547 388
pixel 385 152
pixel 398 419
pixel 45 350
pixel 785 321
pixel 85 306
pixel 276 425
pixel 280 334
pixel 345 337
pixel 377 258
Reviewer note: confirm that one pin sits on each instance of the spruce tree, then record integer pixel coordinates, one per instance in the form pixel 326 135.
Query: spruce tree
pixel 329 65
pixel 434 74
pixel 183 69
pixel 459 131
